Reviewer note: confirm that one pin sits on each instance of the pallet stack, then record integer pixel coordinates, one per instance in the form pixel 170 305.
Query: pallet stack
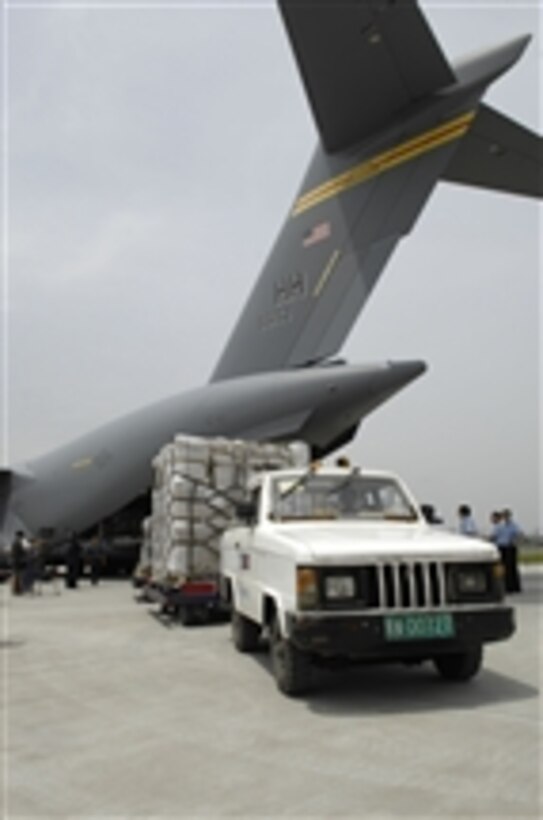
pixel 198 483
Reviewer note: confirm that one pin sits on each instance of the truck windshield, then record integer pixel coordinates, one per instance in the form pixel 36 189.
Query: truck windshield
pixel 354 496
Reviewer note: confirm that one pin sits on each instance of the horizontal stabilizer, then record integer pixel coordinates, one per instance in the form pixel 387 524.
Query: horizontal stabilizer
pixel 362 62
pixel 499 154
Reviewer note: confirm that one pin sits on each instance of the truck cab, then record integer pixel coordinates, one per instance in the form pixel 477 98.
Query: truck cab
pixel 340 564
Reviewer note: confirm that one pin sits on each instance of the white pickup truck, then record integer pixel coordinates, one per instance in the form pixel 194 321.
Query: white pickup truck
pixel 340 564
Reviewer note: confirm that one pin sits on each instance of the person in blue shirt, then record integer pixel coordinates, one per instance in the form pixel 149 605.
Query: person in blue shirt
pixel 507 538
pixel 496 526
pixel 466 522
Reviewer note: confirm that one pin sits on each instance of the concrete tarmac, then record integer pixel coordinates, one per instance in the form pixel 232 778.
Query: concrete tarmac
pixel 107 713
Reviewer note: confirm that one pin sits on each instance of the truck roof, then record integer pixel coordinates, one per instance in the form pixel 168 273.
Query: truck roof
pixel 257 479
pixel 329 470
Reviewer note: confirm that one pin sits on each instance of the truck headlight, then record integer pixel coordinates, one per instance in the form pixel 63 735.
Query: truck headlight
pixel 472 581
pixel 339 587
pixel 307 588
pixel 475 583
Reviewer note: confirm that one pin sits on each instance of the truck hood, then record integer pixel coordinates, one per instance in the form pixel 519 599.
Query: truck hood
pixel 347 543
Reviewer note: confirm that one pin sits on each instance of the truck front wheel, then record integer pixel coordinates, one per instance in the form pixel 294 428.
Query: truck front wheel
pixel 461 666
pixel 291 667
pixel 245 633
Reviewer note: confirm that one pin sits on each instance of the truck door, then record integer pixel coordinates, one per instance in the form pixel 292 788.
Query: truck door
pixel 247 588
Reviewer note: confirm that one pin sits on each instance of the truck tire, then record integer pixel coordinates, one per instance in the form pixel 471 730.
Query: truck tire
pixel 291 667
pixel 461 666
pixel 245 633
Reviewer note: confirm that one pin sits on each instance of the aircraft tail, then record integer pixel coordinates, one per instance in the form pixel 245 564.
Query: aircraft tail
pixel 393 118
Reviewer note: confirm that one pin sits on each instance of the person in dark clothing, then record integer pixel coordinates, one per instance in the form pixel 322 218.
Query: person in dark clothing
pixel 18 562
pixel 510 535
pixel 73 562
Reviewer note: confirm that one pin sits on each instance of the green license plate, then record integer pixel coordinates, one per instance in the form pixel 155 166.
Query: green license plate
pixel 419 627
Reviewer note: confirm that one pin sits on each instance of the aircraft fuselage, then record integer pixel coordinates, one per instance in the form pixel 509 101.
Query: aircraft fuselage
pixel 81 483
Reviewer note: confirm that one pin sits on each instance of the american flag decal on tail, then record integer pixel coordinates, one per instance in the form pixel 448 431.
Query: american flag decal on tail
pixel 318 233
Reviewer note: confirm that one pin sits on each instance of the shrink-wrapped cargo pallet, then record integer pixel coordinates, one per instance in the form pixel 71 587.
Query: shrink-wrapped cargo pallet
pixel 198 483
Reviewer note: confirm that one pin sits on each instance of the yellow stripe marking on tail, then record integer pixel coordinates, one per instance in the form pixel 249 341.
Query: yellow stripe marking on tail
pixel 326 274
pixel 404 152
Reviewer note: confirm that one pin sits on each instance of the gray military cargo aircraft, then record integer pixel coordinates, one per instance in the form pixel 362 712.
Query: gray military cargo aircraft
pixel 393 118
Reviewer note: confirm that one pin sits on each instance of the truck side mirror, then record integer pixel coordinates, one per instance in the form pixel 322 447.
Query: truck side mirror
pixel 246 511
pixel 429 514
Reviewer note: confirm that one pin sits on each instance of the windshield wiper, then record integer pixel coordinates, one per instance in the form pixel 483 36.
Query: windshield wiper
pixel 299 483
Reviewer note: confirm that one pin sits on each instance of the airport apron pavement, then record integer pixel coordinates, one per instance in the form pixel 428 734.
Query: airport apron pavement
pixel 107 712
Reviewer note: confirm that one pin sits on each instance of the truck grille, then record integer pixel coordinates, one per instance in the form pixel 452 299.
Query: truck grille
pixel 406 586
pixel 392 586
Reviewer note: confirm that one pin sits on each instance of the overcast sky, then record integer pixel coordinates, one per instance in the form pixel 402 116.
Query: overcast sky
pixel 152 152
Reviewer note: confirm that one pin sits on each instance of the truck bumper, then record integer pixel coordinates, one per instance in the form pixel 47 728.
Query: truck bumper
pixel 201 595
pixel 360 637
pixel 198 594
